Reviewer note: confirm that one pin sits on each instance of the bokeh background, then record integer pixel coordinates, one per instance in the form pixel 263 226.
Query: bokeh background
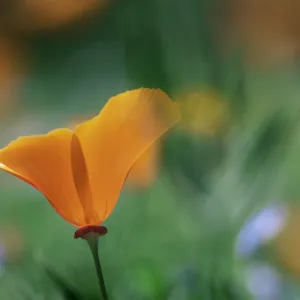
pixel 211 211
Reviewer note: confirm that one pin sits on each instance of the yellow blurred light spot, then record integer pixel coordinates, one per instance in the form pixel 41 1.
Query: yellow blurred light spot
pixel 203 112
pixel 287 245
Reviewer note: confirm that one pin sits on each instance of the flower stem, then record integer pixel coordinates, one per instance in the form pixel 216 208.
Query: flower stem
pixel 92 240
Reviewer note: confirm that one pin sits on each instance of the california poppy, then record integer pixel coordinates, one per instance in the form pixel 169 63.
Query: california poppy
pixel 82 172
pixel 144 170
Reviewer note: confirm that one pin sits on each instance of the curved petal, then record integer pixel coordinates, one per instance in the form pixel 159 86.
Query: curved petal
pixel 82 183
pixel 144 170
pixel 44 162
pixel 114 140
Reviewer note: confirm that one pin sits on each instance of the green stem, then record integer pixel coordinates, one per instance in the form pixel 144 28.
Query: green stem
pixel 92 240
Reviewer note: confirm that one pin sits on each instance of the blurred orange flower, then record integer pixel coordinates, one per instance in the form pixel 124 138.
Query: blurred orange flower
pixel 267 30
pixel 82 172
pixel 33 15
pixel 11 69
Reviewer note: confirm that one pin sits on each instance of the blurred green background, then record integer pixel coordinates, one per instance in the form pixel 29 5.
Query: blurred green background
pixel 217 216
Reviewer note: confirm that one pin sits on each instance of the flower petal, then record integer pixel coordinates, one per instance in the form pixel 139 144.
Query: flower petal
pixel 44 162
pixel 144 171
pixel 115 139
pixel 81 181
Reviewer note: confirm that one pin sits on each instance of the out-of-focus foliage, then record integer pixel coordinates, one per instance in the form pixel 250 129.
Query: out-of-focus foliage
pixel 175 239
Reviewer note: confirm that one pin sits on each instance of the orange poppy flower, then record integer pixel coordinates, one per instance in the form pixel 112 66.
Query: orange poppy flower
pixel 82 172
pixel 144 171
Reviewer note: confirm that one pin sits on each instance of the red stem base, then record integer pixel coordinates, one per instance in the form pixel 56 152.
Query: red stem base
pixel 83 231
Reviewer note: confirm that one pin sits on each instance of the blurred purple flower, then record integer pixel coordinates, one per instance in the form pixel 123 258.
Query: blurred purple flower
pixel 260 229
